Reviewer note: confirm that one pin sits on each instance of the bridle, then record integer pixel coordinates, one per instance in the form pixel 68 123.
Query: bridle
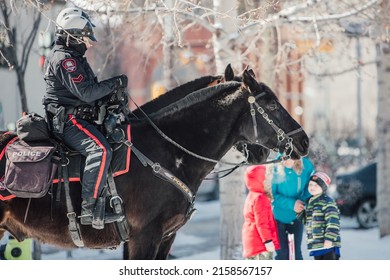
pixel 280 133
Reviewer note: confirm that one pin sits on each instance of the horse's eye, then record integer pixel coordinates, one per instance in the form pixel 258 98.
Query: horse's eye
pixel 273 105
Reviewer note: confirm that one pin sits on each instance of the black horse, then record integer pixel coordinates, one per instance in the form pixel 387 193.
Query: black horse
pixel 207 122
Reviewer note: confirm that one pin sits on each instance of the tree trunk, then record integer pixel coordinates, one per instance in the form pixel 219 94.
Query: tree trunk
pixel 232 198
pixel 168 47
pixel 383 127
pixel 22 90
pixel 232 188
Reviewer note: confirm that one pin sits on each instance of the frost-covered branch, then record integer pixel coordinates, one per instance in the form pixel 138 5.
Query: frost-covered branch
pixel 335 16
pixel 285 16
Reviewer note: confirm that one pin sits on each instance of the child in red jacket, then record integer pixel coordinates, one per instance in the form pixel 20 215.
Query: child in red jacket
pixel 259 231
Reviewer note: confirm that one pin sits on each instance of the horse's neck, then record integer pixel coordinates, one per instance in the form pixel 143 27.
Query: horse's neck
pixel 207 132
pixel 203 125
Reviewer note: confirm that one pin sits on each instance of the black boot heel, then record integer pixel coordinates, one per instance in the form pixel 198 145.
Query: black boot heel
pixel 98 214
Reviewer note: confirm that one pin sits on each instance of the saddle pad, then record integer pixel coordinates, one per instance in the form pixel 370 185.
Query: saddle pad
pixel 120 163
pixel 4 193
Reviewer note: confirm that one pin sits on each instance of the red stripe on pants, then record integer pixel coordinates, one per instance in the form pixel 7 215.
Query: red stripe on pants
pixel 101 170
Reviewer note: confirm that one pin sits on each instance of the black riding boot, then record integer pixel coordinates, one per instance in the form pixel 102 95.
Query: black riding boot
pixel 101 217
pixel 87 209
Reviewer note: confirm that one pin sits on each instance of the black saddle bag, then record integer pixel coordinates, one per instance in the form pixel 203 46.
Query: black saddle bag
pixel 32 127
pixel 30 168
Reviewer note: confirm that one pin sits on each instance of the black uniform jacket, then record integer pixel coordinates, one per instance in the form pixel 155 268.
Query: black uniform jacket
pixel 70 81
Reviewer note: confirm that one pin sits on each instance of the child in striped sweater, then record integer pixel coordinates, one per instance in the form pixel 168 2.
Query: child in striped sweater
pixel 322 220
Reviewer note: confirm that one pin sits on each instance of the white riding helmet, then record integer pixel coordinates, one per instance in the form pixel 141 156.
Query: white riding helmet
pixel 75 25
pixel 72 11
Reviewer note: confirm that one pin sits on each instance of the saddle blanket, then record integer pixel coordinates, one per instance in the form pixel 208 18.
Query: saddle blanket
pixel 120 164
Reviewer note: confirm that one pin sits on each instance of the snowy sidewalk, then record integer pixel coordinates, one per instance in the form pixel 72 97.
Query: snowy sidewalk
pixel 357 244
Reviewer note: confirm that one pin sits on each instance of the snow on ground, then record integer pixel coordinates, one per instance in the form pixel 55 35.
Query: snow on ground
pixel 357 244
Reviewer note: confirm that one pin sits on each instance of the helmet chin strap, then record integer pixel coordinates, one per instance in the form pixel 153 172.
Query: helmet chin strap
pixel 72 39
pixel 67 40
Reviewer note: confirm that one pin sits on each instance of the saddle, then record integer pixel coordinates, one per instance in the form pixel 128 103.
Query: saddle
pixel 31 167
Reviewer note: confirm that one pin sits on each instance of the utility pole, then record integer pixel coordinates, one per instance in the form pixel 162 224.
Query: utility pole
pixel 356 30
pixel 360 134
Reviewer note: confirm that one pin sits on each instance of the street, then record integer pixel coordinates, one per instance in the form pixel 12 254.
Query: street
pixel 199 240
pixel 201 234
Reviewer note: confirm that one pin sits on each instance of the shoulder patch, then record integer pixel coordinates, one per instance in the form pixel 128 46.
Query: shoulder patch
pixel 69 65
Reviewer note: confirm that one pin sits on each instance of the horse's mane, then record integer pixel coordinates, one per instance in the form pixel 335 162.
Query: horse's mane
pixel 175 94
pixel 196 97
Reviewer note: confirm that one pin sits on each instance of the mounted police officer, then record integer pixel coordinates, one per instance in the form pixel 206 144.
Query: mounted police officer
pixel 72 100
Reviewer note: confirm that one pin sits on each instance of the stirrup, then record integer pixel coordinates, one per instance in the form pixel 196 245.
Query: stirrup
pixel 99 223
pixel 85 220
pixel 109 218
pixel 100 217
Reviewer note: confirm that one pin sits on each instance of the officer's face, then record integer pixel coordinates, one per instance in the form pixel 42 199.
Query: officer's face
pixel 87 42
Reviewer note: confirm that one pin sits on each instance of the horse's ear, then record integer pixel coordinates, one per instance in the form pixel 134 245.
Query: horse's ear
pixel 250 81
pixel 252 73
pixel 229 73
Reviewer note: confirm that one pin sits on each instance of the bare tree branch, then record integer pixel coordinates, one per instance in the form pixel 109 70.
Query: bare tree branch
pixel 336 16
pixel 285 17
pixel 6 12
pixel 19 65
pixel 29 41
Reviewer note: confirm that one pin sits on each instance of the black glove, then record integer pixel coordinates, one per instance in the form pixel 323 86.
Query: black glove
pixel 121 81
pixel 119 96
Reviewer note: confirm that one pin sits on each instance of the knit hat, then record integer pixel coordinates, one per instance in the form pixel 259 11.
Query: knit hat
pixel 322 179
